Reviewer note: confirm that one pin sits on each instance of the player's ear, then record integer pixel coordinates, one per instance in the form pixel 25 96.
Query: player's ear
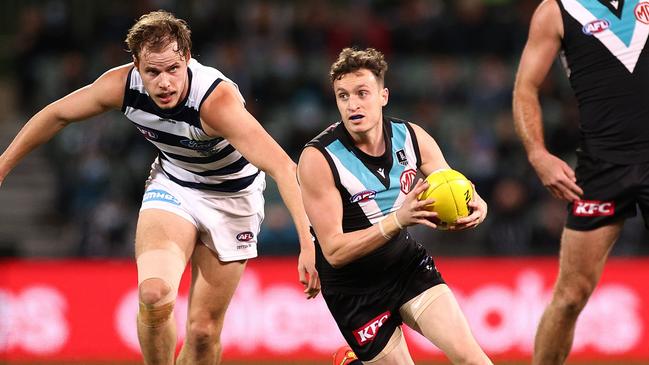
pixel 136 62
pixel 385 93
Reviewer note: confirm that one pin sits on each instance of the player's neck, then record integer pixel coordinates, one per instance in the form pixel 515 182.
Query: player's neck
pixel 371 141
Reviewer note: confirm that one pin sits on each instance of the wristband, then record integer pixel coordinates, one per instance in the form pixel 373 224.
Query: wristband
pixel 385 235
pixel 396 220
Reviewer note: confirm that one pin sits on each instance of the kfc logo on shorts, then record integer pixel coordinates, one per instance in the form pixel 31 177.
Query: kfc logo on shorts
pixel 592 208
pixel 245 236
pixel 368 331
pixel 407 177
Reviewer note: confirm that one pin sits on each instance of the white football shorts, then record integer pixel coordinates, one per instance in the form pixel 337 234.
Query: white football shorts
pixel 227 225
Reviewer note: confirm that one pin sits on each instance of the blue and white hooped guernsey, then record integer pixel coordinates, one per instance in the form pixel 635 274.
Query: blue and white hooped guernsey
pixel 605 56
pixel 187 155
pixel 370 187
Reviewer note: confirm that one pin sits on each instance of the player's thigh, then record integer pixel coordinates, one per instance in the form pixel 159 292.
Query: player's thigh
pixel 164 242
pixel 609 193
pixel 437 316
pixel 394 353
pixel 161 229
pixel 583 254
pixel 213 285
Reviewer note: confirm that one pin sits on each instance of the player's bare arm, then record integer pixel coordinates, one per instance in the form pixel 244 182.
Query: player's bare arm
pixel 433 159
pixel 543 44
pixel 107 92
pixel 224 115
pixel 325 210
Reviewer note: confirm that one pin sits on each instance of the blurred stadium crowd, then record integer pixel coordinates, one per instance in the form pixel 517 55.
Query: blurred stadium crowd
pixel 452 65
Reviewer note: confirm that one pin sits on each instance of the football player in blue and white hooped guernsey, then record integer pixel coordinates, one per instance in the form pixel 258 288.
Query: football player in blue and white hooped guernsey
pixel 357 184
pixel 203 201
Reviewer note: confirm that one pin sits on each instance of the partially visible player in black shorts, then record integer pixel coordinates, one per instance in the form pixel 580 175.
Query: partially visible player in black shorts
pixel 602 48
pixel 357 186
pixel 612 193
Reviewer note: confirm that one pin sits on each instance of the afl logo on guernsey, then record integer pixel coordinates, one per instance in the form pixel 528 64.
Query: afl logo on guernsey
pixel 147 133
pixel 642 12
pixel 363 196
pixel 596 26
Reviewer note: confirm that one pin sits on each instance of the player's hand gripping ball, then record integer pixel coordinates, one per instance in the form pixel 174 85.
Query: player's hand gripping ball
pixel 452 192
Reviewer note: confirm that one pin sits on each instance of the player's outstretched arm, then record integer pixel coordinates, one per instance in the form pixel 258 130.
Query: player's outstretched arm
pixel 107 92
pixel 223 114
pixel 543 44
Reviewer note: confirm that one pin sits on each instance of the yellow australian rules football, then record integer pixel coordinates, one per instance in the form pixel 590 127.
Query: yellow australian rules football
pixel 452 192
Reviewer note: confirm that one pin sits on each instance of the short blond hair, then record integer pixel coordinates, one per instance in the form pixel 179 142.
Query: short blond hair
pixel 156 30
pixel 353 59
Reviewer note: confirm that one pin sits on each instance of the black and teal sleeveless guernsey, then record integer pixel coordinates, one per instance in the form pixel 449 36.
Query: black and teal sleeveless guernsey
pixel 370 188
pixel 607 63
pixel 186 154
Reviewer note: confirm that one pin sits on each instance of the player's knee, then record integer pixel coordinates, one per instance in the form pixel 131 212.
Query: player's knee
pixel 572 299
pixel 202 336
pixel 156 302
pixel 154 291
pixel 468 354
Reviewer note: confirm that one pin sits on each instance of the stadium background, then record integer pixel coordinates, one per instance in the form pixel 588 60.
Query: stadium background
pixel 452 65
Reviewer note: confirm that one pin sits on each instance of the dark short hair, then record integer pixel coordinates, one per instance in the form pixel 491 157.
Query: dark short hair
pixel 353 59
pixel 156 30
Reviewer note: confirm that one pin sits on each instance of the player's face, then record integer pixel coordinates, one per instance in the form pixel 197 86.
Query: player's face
pixel 360 97
pixel 164 74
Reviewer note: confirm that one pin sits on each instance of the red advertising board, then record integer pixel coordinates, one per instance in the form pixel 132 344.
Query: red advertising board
pixel 85 310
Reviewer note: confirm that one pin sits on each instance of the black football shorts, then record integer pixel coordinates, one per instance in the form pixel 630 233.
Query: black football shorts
pixel 611 193
pixel 368 320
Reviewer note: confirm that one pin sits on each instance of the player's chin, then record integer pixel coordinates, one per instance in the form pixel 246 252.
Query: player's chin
pixel 165 103
pixel 167 106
